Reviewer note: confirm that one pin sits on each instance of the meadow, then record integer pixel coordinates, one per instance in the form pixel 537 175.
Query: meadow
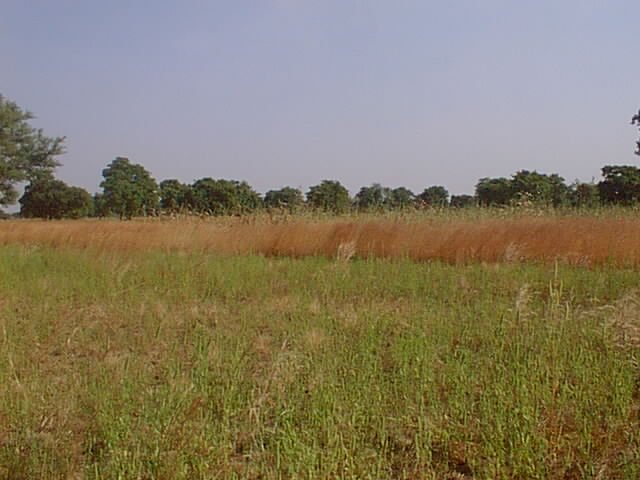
pixel 441 347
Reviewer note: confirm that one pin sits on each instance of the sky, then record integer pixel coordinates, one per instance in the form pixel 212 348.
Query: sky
pixel 291 92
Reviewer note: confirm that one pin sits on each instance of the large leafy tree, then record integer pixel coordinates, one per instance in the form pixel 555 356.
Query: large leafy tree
pixel 222 197
pixel 100 207
pixel 435 196
pixel 25 152
pixel 374 197
pixel 494 191
pixel 329 196
pixel 584 195
pixel 540 188
pixel 462 201
pixel 287 197
pixel 402 197
pixel 248 199
pixel 621 184
pixel 49 198
pixel 173 195
pixel 129 189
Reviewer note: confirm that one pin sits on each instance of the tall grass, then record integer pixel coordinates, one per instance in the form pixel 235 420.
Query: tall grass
pixel 118 365
pixel 583 240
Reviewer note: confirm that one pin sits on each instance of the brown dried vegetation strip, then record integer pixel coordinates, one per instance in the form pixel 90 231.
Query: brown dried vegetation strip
pixel 574 240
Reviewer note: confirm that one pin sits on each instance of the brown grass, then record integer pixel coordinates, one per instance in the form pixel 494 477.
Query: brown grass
pixel 574 240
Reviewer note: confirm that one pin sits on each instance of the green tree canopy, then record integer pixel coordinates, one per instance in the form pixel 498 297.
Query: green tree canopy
pixel 462 201
pixel 539 188
pixel 374 197
pixel 248 200
pixel 49 198
pixel 222 197
pixel 287 197
pixel 402 197
pixel 494 191
pixel 173 195
pixel 435 196
pixel 100 207
pixel 584 195
pixel 621 184
pixel 129 189
pixel 329 196
pixel 25 152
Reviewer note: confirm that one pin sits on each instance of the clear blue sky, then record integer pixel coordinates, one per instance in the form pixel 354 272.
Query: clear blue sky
pixel 290 92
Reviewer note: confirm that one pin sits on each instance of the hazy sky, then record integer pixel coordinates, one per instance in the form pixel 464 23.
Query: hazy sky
pixel 290 92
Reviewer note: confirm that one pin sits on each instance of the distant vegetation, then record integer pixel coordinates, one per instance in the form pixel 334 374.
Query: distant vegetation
pixel 129 190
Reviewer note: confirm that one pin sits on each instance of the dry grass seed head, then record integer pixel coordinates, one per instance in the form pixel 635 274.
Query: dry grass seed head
pixel 314 338
pixel 523 301
pixel 623 321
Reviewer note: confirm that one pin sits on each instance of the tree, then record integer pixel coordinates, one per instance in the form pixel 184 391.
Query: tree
pixel 53 199
pixel 494 191
pixel 222 197
pixel 248 200
pixel 462 201
pixel 129 189
pixel 621 184
pixel 584 195
pixel 402 197
pixel 173 195
pixel 435 196
pixel 636 121
pixel 100 207
pixel 375 197
pixel 25 152
pixel 329 196
pixel 539 188
pixel 287 197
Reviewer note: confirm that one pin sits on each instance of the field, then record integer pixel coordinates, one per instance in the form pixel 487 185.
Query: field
pixel 417 348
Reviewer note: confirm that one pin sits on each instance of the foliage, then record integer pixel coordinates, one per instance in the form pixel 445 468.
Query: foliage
pixel 25 152
pixel 173 195
pixel 494 191
pixel 584 195
pixel 522 188
pixel 462 201
pixel 329 196
pixel 100 208
pixel 375 197
pixel 129 189
pixel 435 196
pixel 539 188
pixel 621 184
pixel 49 198
pixel 287 197
pixel 402 197
pixel 222 197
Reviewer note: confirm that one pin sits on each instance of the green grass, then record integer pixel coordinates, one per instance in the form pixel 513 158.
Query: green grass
pixel 169 366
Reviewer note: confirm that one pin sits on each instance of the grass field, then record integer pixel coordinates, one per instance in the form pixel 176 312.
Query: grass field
pixel 185 362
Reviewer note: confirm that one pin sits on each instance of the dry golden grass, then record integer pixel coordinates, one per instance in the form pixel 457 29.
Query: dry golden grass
pixel 574 240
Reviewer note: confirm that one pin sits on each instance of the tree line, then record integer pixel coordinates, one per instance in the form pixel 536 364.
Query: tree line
pixel 128 189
